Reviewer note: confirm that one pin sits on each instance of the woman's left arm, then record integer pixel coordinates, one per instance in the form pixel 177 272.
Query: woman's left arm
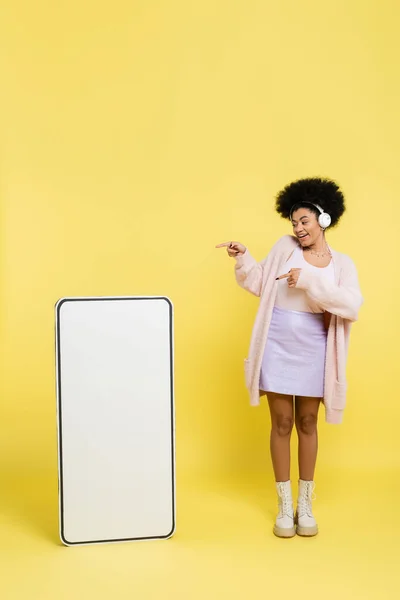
pixel 343 300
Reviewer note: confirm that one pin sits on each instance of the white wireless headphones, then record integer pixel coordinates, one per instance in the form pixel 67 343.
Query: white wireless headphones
pixel 324 219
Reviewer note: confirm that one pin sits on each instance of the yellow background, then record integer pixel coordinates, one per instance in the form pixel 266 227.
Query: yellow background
pixel 136 135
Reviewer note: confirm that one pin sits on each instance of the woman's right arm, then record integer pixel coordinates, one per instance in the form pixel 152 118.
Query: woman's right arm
pixel 249 273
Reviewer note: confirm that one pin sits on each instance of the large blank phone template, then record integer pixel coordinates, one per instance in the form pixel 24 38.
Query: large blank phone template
pixel 115 413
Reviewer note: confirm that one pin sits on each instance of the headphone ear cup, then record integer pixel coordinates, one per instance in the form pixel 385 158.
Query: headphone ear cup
pixel 324 220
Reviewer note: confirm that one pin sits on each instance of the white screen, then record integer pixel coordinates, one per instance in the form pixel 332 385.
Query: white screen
pixel 115 418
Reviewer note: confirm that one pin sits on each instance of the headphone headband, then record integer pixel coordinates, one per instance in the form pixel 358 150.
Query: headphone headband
pixel 305 202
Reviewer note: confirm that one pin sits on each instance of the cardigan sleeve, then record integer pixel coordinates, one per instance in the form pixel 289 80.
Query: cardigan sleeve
pixel 250 274
pixel 343 300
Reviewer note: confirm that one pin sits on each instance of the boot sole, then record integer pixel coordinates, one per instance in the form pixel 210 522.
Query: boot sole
pixel 284 533
pixel 306 531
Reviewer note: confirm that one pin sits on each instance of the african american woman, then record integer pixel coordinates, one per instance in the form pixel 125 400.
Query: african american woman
pixel 309 297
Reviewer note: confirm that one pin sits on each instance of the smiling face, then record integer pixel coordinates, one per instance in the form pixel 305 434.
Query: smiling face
pixel 306 227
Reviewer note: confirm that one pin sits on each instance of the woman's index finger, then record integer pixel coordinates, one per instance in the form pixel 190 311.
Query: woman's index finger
pixel 223 245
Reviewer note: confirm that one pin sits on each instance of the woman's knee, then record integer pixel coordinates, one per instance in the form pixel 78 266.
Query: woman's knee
pixel 307 424
pixel 283 425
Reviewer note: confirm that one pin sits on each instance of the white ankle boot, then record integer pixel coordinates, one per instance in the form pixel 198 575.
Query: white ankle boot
pixel 305 522
pixel 284 525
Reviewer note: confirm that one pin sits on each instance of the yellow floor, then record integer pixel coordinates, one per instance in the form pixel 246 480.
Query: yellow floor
pixel 223 546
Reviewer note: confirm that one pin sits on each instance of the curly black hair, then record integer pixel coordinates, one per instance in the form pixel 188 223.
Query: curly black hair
pixel 317 190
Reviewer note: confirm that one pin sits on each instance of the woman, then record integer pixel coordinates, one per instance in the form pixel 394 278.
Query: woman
pixel 309 295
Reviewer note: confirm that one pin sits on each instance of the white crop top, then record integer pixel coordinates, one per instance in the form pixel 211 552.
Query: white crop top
pixel 297 299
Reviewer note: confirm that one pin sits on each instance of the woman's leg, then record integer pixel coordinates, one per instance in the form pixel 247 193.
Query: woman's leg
pixel 281 409
pixel 306 418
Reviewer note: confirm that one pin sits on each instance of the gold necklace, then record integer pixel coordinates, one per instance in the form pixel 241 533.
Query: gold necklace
pixel 321 254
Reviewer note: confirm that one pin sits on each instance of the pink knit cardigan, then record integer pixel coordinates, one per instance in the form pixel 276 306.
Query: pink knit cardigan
pixel 341 299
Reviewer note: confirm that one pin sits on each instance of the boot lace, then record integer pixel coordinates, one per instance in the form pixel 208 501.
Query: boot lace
pixel 285 501
pixel 305 499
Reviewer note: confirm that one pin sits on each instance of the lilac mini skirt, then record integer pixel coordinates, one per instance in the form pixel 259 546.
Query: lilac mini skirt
pixel 294 356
